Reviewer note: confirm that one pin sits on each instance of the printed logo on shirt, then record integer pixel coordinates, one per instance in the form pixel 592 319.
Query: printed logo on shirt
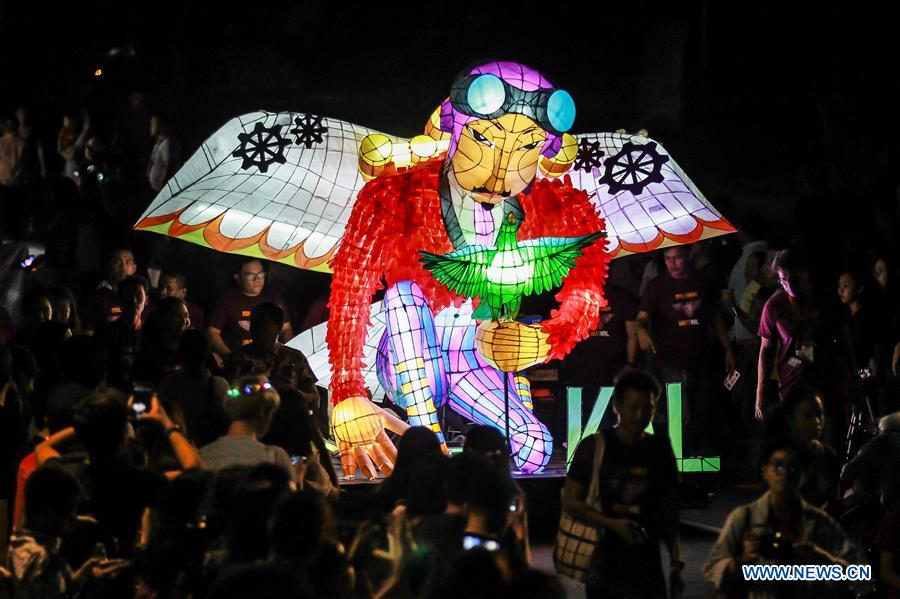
pixel 625 509
pixel 606 316
pixel 687 295
pixel 687 304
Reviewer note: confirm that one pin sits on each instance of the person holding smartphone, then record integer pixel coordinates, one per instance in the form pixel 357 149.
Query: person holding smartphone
pixel 38 567
pixel 638 503
pixel 119 491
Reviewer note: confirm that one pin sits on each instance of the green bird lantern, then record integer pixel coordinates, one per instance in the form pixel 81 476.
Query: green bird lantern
pixel 501 276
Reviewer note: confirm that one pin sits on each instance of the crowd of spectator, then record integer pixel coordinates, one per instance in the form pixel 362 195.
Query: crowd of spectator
pixel 151 447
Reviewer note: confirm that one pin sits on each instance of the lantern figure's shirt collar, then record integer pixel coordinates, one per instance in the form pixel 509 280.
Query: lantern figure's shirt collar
pixel 468 221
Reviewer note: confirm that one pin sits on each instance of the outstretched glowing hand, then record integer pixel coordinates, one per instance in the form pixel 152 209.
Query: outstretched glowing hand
pixel 358 427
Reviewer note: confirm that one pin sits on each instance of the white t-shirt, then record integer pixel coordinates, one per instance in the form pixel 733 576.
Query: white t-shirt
pixel 738 284
pixel 160 160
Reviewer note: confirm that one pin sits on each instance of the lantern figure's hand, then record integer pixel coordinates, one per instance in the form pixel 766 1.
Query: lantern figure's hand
pixel 510 345
pixel 358 427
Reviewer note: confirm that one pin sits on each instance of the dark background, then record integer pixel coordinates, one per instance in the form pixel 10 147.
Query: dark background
pixel 762 105
pixel 764 101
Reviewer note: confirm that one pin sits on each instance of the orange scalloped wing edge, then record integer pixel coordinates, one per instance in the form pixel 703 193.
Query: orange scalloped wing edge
pixel 256 246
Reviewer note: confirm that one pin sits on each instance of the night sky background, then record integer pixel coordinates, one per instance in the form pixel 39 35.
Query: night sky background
pixel 762 105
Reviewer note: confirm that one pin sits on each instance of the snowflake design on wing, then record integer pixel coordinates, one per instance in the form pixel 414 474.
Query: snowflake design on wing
pixel 309 130
pixel 261 147
pixel 589 155
pixel 633 168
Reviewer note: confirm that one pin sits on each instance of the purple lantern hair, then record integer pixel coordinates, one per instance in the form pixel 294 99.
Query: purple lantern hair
pixel 513 73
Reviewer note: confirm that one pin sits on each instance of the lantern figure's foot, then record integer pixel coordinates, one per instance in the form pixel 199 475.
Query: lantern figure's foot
pixel 479 396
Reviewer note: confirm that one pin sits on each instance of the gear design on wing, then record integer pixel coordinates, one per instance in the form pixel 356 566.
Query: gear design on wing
pixel 309 130
pixel 261 147
pixel 589 155
pixel 633 168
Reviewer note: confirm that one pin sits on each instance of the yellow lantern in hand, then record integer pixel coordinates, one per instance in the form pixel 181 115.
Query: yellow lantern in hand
pixel 511 346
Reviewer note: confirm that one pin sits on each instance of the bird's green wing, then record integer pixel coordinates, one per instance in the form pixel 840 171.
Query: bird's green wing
pixel 552 258
pixel 464 272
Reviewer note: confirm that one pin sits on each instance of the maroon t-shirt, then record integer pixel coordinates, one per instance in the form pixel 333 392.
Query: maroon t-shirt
pixel 796 338
pixel 679 311
pixel 103 309
pixel 198 318
pixel 231 314
pixel 605 351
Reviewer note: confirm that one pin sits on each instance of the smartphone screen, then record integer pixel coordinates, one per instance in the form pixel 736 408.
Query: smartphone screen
pixel 143 395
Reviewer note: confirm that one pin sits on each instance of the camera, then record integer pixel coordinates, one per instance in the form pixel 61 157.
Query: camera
pixel 776 547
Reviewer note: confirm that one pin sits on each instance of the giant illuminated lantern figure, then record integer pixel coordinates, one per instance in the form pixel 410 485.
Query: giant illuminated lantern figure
pixel 478 204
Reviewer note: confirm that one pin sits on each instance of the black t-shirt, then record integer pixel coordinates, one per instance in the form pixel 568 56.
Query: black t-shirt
pixel 633 478
pixel 122 342
pixel 200 397
pixel 442 535
pixel 116 494
pixel 865 332
pixel 887 540
pixel 604 352
pixel 634 482
pixel 280 578
pixel 680 311
pixel 13 436
pixel 821 485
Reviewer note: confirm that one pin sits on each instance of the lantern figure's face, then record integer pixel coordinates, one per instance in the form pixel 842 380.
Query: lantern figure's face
pixel 498 158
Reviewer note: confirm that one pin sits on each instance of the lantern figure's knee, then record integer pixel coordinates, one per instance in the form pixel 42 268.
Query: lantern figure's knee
pixel 405 293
